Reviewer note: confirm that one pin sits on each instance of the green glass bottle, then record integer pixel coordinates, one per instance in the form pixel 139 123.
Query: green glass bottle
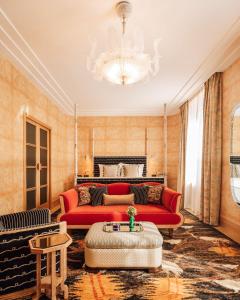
pixel 131 223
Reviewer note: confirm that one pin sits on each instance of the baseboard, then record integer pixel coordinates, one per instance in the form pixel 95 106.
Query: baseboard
pixel 230 228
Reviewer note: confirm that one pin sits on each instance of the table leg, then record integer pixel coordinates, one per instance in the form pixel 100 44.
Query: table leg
pixel 63 272
pixel 53 275
pixel 38 276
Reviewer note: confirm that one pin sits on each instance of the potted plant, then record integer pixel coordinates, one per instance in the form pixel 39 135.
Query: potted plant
pixel 131 211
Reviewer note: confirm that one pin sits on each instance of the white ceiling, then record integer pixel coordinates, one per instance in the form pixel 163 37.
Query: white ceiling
pixel 49 40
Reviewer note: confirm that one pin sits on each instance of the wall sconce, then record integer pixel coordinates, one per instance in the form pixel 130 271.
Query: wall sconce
pixel 25 110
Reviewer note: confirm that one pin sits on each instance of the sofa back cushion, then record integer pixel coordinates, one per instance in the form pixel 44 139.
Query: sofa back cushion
pixel 127 199
pixel 119 188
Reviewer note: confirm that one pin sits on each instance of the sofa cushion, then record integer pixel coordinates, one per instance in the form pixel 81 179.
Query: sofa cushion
pixel 140 194
pixel 84 196
pixel 118 199
pixel 88 215
pixel 119 188
pixel 97 195
pixel 154 194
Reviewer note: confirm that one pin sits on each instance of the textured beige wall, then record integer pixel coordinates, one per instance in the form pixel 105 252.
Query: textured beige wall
pixel 236 136
pixel 16 92
pixel 230 211
pixel 126 136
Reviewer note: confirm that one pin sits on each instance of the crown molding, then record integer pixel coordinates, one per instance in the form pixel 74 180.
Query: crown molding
pixel 222 55
pixel 18 49
pixel 219 59
pixel 124 112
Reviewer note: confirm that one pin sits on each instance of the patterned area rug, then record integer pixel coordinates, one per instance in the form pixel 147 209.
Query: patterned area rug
pixel 198 263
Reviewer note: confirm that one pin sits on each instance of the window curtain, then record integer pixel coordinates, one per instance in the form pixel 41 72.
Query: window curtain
pixel 192 192
pixel 182 150
pixel 212 151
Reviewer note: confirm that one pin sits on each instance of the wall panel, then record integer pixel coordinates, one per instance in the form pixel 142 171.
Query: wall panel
pixel 18 94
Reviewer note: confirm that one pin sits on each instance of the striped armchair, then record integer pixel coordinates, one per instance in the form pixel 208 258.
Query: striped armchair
pixel 17 264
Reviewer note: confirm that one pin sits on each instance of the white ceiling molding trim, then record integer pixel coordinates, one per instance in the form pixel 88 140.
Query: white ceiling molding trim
pixel 222 56
pixel 46 43
pixel 124 112
pixel 25 57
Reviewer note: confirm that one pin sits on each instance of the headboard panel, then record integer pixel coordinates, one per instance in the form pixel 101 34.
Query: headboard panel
pixel 113 160
pixel 234 159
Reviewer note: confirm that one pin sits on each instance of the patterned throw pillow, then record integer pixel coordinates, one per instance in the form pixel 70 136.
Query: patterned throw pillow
pixel 154 194
pixel 97 195
pixel 84 196
pixel 140 194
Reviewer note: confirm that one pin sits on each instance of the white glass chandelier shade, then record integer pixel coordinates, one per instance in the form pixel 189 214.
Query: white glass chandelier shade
pixel 125 61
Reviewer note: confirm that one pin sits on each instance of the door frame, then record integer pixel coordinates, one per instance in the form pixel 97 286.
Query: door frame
pixel 32 119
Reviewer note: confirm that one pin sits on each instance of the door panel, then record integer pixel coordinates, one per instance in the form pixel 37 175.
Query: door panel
pixel 31 155
pixel 31 199
pixel 37 183
pixel 31 178
pixel 43 157
pixel 43 195
pixel 43 176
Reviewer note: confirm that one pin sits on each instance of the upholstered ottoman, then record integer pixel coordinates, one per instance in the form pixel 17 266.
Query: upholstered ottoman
pixel 123 249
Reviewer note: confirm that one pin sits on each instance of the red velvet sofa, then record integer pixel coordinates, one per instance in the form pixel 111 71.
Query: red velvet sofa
pixel 166 215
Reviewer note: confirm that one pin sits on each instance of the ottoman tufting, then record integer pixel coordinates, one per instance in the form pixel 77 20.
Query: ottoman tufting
pixel 123 249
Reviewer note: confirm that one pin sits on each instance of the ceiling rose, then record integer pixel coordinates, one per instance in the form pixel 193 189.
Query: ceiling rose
pixel 124 62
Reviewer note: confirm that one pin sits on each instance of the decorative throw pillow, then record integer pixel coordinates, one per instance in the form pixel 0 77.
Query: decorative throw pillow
pixel 110 170
pixel 133 170
pixel 97 195
pixel 140 194
pixel 84 196
pixel 154 194
pixel 100 170
pixel 118 199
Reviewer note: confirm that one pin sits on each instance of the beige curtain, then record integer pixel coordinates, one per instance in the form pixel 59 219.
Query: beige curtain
pixel 212 151
pixel 182 150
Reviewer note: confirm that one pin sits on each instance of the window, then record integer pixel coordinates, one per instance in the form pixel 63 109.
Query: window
pixel 194 154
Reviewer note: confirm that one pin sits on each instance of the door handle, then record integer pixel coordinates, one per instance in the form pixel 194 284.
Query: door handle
pixel 39 166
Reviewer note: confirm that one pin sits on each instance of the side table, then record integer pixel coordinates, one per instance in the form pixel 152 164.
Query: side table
pixel 48 244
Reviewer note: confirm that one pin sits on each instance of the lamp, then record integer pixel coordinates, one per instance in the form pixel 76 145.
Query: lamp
pixel 125 62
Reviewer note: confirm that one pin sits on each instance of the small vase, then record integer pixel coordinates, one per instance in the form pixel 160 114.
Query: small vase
pixel 131 223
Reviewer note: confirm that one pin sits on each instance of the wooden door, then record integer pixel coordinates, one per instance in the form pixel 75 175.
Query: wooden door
pixel 37 165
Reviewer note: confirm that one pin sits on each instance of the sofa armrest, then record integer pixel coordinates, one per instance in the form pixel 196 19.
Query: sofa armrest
pixel 68 200
pixel 171 200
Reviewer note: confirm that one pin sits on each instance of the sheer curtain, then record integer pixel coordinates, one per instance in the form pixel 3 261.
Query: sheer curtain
pixel 193 166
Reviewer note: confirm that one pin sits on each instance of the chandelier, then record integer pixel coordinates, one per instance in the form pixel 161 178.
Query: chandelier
pixel 124 62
